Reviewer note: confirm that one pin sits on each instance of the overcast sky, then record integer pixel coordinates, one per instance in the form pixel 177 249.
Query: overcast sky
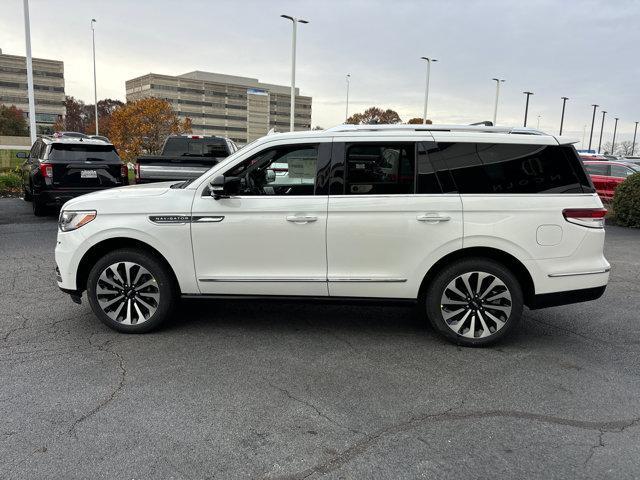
pixel 586 50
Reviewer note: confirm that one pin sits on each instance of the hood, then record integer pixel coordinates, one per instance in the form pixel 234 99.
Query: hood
pixel 127 192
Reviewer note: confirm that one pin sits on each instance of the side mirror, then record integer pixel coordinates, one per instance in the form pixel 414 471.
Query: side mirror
pixel 270 176
pixel 22 155
pixel 224 187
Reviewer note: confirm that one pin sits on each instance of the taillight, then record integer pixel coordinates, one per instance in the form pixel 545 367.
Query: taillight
pixel 137 171
pixel 124 171
pixel 587 217
pixel 46 169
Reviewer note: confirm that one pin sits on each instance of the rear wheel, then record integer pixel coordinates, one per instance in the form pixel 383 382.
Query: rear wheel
pixel 474 302
pixel 26 193
pixel 39 207
pixel 131 291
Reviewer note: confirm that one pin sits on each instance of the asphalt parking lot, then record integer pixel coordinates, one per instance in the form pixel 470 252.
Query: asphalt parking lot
pixel 287 390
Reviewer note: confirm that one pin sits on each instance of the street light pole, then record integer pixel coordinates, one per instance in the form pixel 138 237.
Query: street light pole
pixel 495 107
pixel 538 124
pixel 613 142
pixel 95 88
pixel 426 90
pixel 346 111
pixel 633 145
pixel 601 130
pixel 526 107
pixel 564 102
pixel 32 102
pixel 294 22
pixel 593 119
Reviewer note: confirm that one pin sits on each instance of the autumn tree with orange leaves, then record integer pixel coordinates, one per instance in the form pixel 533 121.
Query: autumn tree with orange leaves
pixel 418 120
pixel 374 116
pixel 141 126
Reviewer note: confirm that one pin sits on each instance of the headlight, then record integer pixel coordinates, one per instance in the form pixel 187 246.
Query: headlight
pixel 73 220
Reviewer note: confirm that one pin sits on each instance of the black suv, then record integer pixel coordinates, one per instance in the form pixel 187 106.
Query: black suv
pixel 65 165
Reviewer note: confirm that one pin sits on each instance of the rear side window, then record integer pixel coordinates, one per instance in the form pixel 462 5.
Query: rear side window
pixel 512 168
pixel 597 168
pixel 61 152
pixel 380 168
pixel 621 171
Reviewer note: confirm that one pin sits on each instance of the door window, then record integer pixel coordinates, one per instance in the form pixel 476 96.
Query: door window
pixel 597 168
pixel 621 171
pixel 284 170
pixel 380 168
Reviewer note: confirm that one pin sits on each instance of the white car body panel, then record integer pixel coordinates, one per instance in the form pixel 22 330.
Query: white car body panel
pixel 355 246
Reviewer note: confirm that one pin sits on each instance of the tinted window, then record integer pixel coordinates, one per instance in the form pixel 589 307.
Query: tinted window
pixel 621 171
pixel 207 148
pixel 380 168
pixel 427 178
pixel 597 168
pixel 61 152
pixel 286 170
pixel 175 147
pixel 511 168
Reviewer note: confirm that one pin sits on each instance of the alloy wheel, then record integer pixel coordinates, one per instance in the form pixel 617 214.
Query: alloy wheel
pixel 128 293
pixel 476 304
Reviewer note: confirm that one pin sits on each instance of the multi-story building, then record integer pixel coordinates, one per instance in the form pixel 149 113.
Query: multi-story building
pixel 48 87
pixel 239 108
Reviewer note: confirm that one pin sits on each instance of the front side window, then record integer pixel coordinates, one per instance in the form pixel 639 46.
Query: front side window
pixel 380 168
pixel 285 170
pixel 621 171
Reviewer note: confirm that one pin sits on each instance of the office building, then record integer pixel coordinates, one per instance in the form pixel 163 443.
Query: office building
pixel 239 108
pixel 48 87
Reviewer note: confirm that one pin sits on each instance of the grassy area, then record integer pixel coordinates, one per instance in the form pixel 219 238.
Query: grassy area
pixel 8 159
pixel 10 184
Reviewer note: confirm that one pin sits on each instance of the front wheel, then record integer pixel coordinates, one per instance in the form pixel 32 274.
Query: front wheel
pixel 474 302
pixel 131 291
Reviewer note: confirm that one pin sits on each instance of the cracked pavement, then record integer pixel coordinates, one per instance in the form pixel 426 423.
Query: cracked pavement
pixel 294 391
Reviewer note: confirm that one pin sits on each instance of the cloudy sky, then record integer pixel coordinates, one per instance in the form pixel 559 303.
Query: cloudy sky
pixel 586 50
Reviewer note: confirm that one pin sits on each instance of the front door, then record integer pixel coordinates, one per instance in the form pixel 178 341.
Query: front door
pixel 390 218
pixel 270 238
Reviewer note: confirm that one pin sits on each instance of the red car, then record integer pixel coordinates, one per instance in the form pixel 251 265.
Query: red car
pixel 606 176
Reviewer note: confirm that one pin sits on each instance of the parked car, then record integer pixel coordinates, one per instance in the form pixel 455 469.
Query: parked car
pixel 470 223
pixel 606 176
pixel 183 157
pixel 62 166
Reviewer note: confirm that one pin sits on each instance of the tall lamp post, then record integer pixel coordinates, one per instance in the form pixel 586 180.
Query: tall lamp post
pixel 426 90
pixel 564 102
pixel 601 130
pixel 346 111
pixel 613 141
pixel 526 107
pixel 294 22
pixel 593 119
pixel 495 107
pixel 633 145
pixel 32 102
pixel 95 88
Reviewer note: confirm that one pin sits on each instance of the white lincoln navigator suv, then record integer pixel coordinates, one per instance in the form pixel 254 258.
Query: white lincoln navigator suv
pixel 472 223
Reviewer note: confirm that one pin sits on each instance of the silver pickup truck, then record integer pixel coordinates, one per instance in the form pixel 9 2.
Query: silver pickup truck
pixel 183 157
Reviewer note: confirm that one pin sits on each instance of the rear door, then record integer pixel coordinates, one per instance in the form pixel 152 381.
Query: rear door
pixel 390 218
pixel 84 166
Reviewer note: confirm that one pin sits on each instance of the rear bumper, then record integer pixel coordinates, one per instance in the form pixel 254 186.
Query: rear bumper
pixel 565 298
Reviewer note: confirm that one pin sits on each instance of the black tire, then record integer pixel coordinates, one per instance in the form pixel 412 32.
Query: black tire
pixel 26 194
pixel 39 207
pixel 476 308
pixel 164 283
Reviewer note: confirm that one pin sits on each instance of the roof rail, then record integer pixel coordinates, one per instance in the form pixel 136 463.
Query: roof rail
pixel 434 128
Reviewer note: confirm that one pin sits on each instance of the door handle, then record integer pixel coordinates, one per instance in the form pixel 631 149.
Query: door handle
pixel 433 218
pixel 301 218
